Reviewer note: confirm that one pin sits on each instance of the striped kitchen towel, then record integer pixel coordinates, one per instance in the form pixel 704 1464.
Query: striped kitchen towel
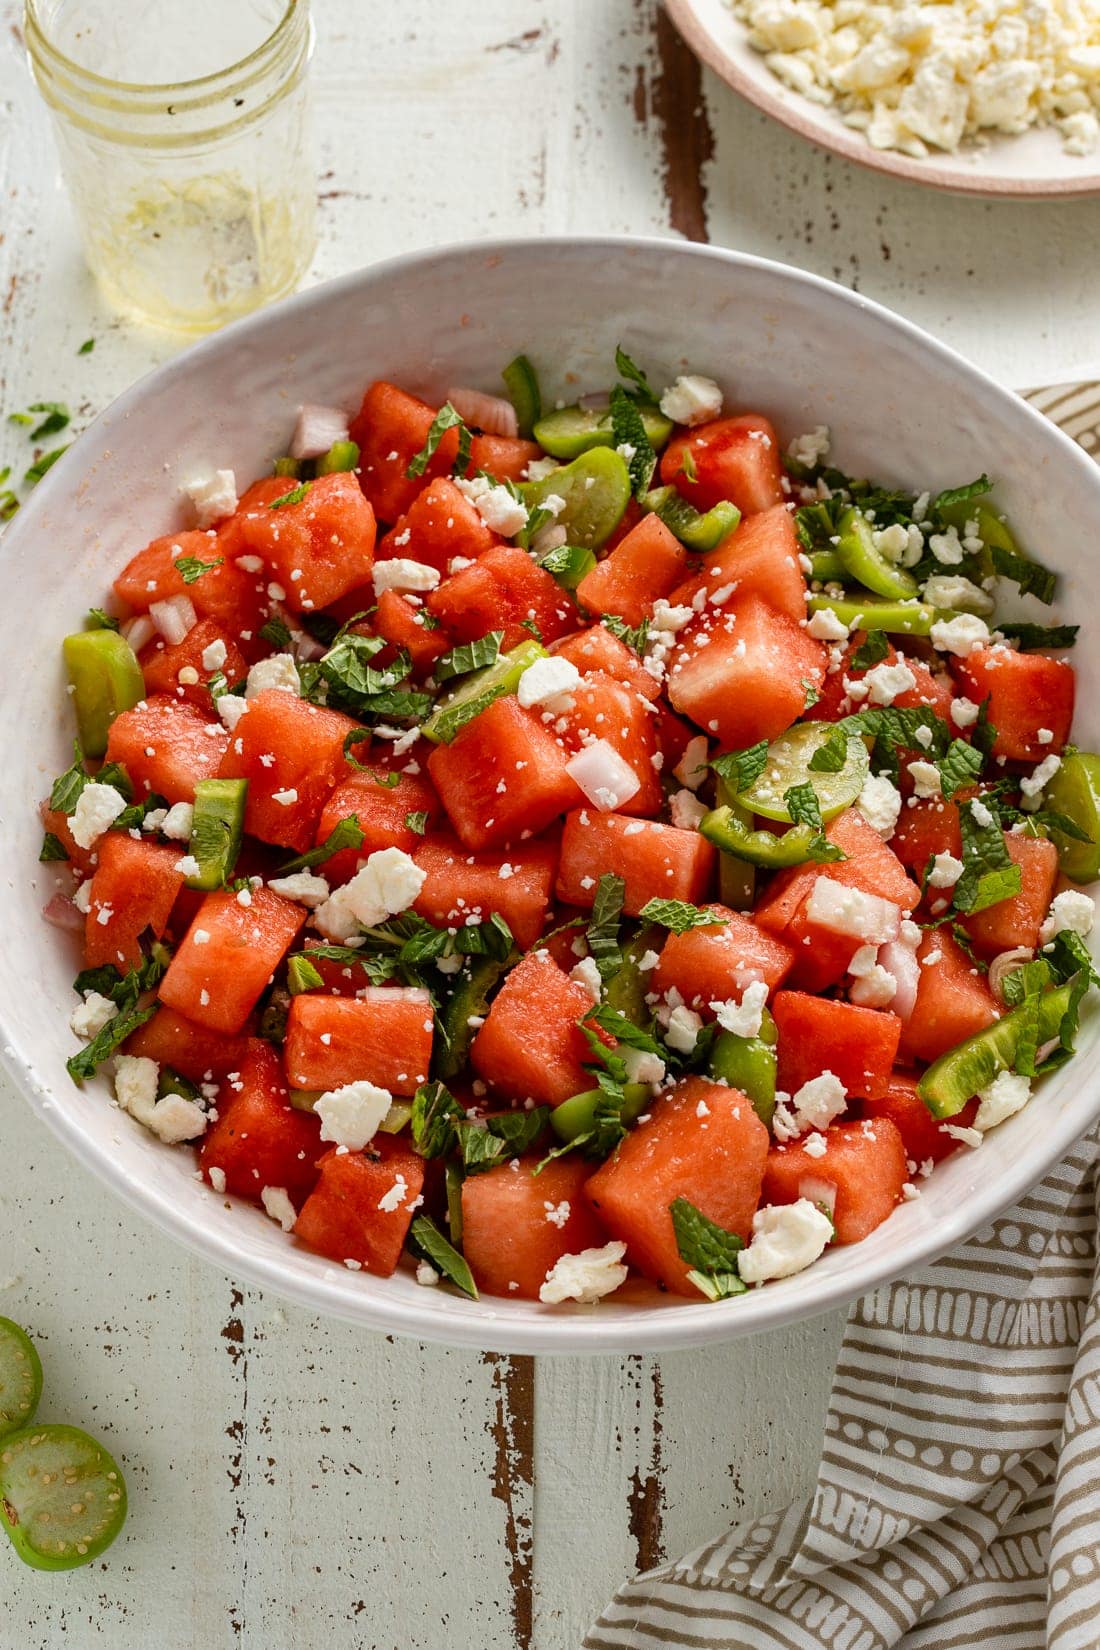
pixel 957 1501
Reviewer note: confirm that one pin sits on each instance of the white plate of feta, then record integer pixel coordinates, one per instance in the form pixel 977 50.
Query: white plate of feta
pixel 984 97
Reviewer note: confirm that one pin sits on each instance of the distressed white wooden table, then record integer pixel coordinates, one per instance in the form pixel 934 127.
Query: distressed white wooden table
pixel 296 1483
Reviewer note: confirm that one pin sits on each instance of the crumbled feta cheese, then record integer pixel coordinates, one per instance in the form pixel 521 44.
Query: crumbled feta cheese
pixel 743 1018
pixel 946 871
pixel 826 626
pixel 691 770
pixel 97 808
pixel 1034 784
pixel 953 590
pixel 786 1238
pixel 665 617
pixel 188 866
pixel 880 804
pixel 540 468
pixel 926 778
pixel 966 1136
pixel 964 712
pixel 499 509
pixel 172 1119
pixel 350 1115
pixel 980 814
pixel 641 1066
pixel 285 798
pixel 692 400
pixel 891 542
pixel 394 1199
pixel 89 1017
pixel 813 1106
pixel 686 810
pixel 558 1213
pixel 426 1274
pixel 684 1026
pixel 217 1178
pixel 605 777
pixel 810 449
pixel 176 1119
pixel 585 1277
pixel 1006 1095
pixel 304 886
pixel 214 655
pixel 885 682
pixel 815 1145
pixel 386 885
pixel 398 573
pixel 587 974
pixel 960 635
pixel 178 822
pixel 873 986
pixel 852 912
pixel 549 683
pixel 1070 911
pixel 278 671
pixel 82 899
pixel 231 707
pixel 213 496
pixel 277 1204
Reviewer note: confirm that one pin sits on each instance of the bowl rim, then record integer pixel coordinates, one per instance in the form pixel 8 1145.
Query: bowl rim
pixel 935 173
pixel 578 1330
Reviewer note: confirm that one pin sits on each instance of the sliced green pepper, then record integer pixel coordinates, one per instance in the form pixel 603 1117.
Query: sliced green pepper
pixel 106 680
pixel 736 877
pixel 468 1001
pixel 478 690
pixel 826 567
pixel 216 830
pixel 522 383
pixel 857 552
pixel 898 618
pixel 1075 792
pixel 749 1064
pixel 569 564
pixel 287 467
pixel 695 531
pixel 728 831
pixel 570 431
pixel 626 990
pixel 990 526
pixel 596 489
pixel 963 1071
pixel 577 1115
pixel 342 455
pixel 788 764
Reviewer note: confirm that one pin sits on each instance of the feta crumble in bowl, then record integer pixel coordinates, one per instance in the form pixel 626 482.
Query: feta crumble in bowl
pixel 996 100
pixel 717 1033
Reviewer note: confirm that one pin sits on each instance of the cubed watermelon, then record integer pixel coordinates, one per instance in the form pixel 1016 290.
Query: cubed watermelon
pixel 530 1047
pixel 383 1036
pixel 227 957
pixel 169 670
pixel 648 563
pixel 200 1055
pixel 656 862
pixel 1028 694
pixel 503 590
pixel 731 458
pixel 836 701
pixel 515 884
pixel 166 746
pixel 133 889
pixel 517 1225
pixel 597 649
pixel 292 754
pixel 383 811
pixel 318 547
pixel 362 1206
pixel 858 1045
pixel 953 999
pixel 259 1139
pixel 439 525
pixel 708 965
pixel 863 1163
pixel 1017 921
pixel 609 710
pixel 924 1137
pixel 503 777
pixel 745 673
pixel 759 559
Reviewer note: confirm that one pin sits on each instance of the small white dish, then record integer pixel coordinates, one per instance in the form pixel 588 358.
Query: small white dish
pixel 1032 166
pixel 902 407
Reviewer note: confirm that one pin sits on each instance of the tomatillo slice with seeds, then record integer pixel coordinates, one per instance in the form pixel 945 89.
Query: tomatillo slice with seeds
pixel 62 1497
pixel 20 1377
pixel 788 764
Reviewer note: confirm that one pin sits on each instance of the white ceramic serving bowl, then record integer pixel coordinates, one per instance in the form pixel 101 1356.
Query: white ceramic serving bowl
pixel 1031 166
pixel 902 407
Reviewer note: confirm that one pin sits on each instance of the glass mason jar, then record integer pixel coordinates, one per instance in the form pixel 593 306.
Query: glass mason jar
pixel 184 134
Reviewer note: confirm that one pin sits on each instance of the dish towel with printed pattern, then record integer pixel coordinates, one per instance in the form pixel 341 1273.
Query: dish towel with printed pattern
pixel 957 1503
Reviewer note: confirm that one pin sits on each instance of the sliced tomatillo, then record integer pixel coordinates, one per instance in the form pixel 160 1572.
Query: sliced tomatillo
pixel 62 1497
pixel 20 1377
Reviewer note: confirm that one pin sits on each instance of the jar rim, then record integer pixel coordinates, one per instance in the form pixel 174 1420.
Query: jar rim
pixel 206 86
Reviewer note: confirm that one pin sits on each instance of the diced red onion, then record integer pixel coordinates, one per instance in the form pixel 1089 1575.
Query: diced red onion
pixel 491 413
pixel 598 401
pixel 1045 1051
pixel 900 960
pixel 174 618
pixel 60 912
pixel 318 428
pixel 820 1191
pixel 139 631
pixel 1005 963
pixel 605 777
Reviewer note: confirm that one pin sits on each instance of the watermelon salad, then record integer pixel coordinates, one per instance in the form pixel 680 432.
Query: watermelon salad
pixel 546 847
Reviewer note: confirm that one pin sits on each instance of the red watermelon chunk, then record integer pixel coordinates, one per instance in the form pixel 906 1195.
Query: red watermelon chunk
pixel 503 777
pixel 731 458
pixel 292 754
pixel 439 525
pixel 515 884
pixel 225 593
pixel 596 649
pixel 743 674
pixel 166 746
pixel 227 957
pixel 383 812
pixel 655 861
pixel 530 1047
pixel 403 625
pixel 504 590
pixel 517 1225
pixel 953 999
pixel 200 1055
pixel 924 1137
pixel 858 1045
pixel 760 558
pixel 1027 692
pixel 836 701
pixel 708 965
pixel 259 1139
pixel 169 670
pixel 609 710
pixel 383 1036
pixel 133 889
pixel 362 1206
pixel 863 1162
pixel 647 564
pixel 318 547
pixel 1017 921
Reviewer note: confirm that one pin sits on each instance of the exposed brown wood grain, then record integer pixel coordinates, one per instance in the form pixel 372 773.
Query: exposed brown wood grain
pixel 645 1502
pixel 687 139
pixel 513 1432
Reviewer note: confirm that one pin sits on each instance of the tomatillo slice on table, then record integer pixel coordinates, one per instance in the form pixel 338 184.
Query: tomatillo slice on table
pixel 62 1497
pixel 20 1377
pixel 106 680
pixel 596 490
pixel 963 1071
pixel 570 431
pixel 788 764
pixel 1075 792
pixel 859 554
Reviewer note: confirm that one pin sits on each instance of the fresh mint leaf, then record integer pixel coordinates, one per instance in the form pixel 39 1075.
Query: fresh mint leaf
pixel 741 769
pixel 445 419
pixel 52 848
pixel 435 1116
pixel 961 495
pixel 602 932
pixel 99 620
pixel 276 633
pixel 492 938
pixel 190 568
pixel 1068 955
pixel 1033 579
pixel 635 637
pixel 105 1043
pixel 989 875
pixel 1031 637
pixel 428 1242
pixel 301 975
pixel 469 656
pixel 65 793
pixel 500 1138
pixel 810 694
pixel 631 372
pixel 983 735
pixel 708 1249
pixel 803 806
pixel 295 496
pixel 417 822
pixel 832 754
pixel 871 651
pixel 607 1064
pixel 347 834
pixel 678 915
pixel 959 767
pixel 132 818
pixel 628 431
pixel 616 1024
